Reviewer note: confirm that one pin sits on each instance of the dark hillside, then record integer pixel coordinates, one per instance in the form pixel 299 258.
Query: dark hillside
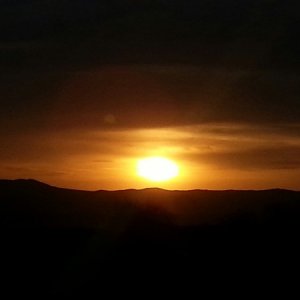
pixel 60 241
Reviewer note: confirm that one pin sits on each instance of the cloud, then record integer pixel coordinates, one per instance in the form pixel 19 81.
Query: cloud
pixel 268 158
pixel 88 34
pixel 226 153
pixel 228 146
pixel 147 96
pixel 95 81
pixel 69 64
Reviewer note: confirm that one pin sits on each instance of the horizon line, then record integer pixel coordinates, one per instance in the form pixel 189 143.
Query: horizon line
pixel 146 188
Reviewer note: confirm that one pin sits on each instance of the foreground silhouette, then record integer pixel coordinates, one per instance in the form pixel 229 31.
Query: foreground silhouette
pixel 66 242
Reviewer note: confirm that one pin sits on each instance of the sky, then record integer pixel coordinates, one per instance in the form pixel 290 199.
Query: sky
pixel 87 88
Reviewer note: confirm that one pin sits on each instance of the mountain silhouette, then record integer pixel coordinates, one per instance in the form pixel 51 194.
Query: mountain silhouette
pixel 58 241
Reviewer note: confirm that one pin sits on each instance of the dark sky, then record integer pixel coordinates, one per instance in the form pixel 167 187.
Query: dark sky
pixel 80 79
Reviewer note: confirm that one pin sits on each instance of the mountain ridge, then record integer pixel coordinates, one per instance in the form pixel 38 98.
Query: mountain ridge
pixel 33 181
pixel 27 200
pixel 76 241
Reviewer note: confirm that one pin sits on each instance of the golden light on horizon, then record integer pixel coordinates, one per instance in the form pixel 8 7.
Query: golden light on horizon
pixel 157 169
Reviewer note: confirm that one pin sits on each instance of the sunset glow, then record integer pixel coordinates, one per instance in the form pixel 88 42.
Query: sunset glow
pixel 90 100
pixel 157 169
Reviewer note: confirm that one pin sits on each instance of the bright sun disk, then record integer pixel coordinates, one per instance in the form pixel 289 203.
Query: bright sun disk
pixel 157 168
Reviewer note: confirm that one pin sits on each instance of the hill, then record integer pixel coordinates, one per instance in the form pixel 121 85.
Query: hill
pixel 62 241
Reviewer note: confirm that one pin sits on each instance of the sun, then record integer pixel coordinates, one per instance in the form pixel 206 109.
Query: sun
pixel 157 169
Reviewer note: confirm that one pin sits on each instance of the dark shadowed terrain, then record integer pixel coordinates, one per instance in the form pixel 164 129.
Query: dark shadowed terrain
pixel 65 242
